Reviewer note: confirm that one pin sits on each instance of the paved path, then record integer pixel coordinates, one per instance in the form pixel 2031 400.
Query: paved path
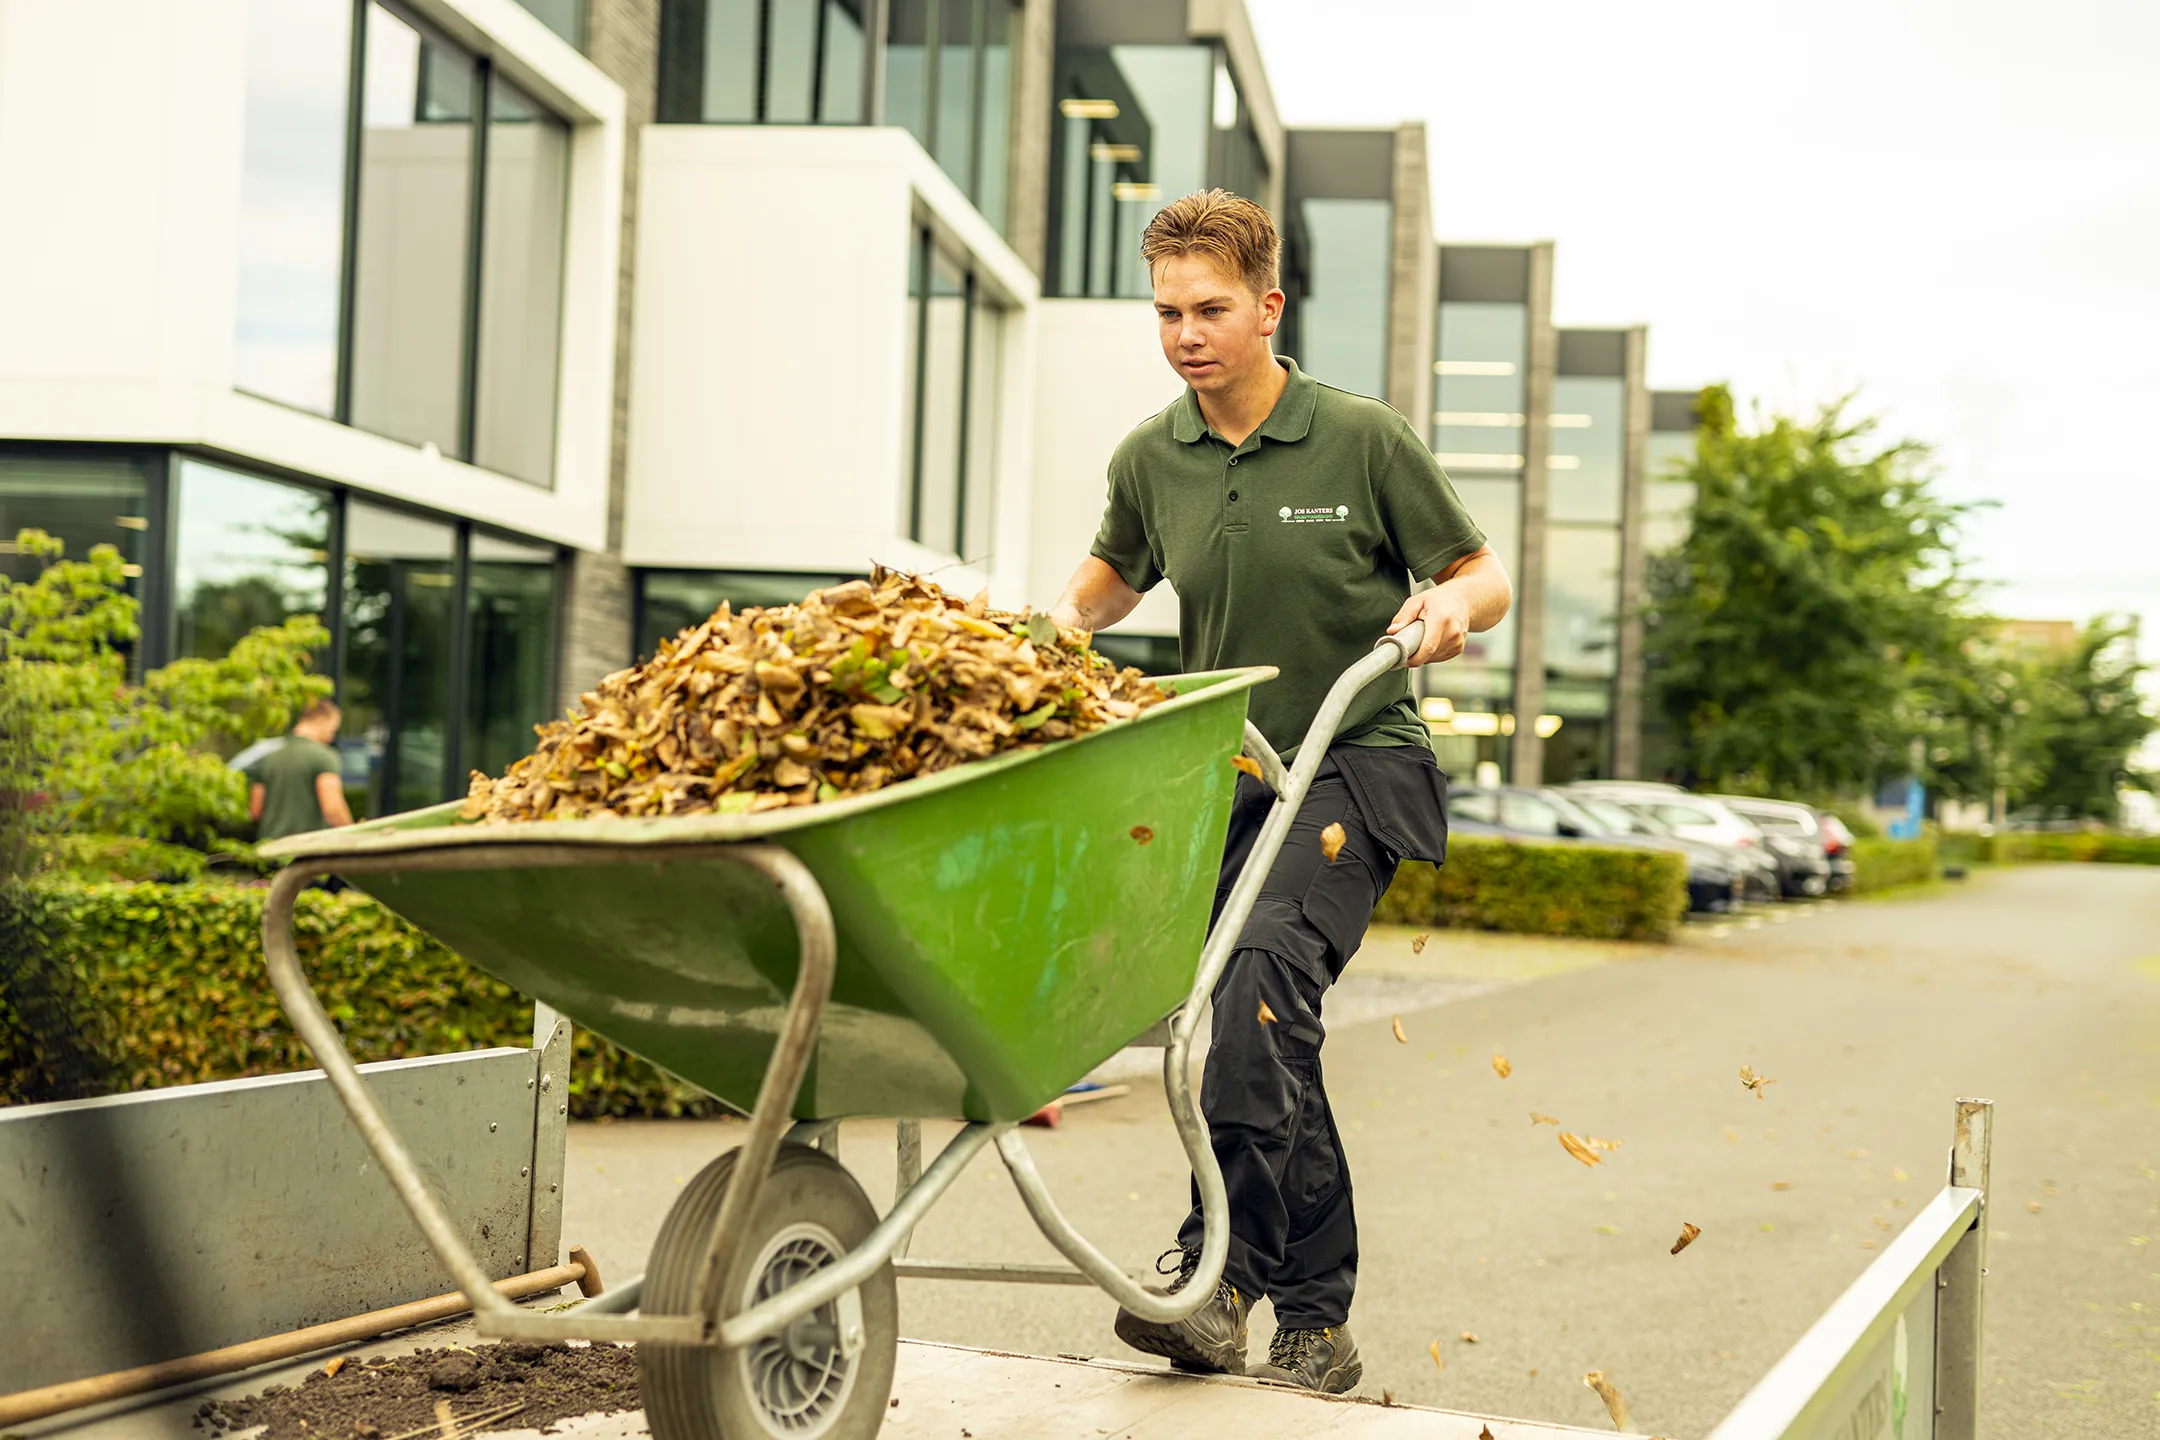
pixel 2038 988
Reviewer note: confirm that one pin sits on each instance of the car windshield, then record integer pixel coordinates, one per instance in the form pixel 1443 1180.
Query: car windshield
pixel 1578 815
pixel 1616 819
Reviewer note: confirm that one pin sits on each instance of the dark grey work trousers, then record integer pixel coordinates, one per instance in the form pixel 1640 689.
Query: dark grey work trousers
pixel 1293 1230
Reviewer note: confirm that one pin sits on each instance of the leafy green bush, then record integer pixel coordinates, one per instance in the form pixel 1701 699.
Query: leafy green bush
pixel 1538 889
pixel 1883 863
pixel 2080 848
pixel 118 987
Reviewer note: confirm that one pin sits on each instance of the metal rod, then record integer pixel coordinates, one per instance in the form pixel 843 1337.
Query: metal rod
pixel 989 1271
pixel 619 1299
pixel 1961 1287
pixel 779 1311
pixel 907 1168
pixel 790 1060
pixel 1271 766
pixel 28 1405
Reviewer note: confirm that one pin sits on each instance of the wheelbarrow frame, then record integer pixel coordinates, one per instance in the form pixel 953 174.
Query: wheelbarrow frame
pixel 605 1317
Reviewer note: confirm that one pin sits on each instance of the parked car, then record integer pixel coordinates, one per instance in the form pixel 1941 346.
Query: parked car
pixel 1717 876
pixel 1534 814
pixel 1793 835
pixel 1838 845
pixel 1697 817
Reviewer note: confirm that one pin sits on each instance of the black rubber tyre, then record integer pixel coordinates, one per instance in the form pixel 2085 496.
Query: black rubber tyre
pixel 800 1384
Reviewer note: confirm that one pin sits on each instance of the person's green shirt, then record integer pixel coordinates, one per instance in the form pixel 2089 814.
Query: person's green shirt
pixel 1294 549
pixel 287 775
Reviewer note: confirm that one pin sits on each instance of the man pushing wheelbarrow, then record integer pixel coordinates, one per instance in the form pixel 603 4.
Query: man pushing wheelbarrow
pixel 1290 517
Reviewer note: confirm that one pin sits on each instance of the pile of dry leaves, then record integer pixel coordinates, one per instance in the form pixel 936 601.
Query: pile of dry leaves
pixel 854 688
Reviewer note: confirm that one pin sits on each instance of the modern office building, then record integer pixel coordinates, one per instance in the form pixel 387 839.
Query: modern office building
pixel 510 337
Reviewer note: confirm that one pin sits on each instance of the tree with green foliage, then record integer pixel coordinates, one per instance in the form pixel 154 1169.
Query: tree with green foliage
pixel 2084 718
pixel 99 756
pixel 1815 621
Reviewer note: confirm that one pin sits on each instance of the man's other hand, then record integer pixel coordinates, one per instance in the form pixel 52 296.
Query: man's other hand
pixel 1446 613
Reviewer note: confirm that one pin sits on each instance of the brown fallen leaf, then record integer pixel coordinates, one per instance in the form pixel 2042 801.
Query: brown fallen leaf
pixel 1615 1406
pixel 1501 1067
pixel 1468 1338
pixel 1387 1396
pixel 2032 1207
pixel 1141 834
pixel 1402 1039
pixel 1755 1082
pixel 1596 1144
pixel 1540 1118
pixel 1575 1147
pixel 333 1366
pixel 1437 1362
pixel 1267 1016
pixel 1485 1431
pixel 1417 944
pixel 1331 840
pixel 1533 1374
pixel 1781 1184
pixel 1687 1236
pixel 1249 765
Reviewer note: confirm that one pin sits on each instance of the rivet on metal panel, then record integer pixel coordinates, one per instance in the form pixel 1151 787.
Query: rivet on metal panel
pixel 551 1189
pixel 523 1171
pixel 492 1127
pixel 528 1084
pixel 562 1110
pixel 547 1082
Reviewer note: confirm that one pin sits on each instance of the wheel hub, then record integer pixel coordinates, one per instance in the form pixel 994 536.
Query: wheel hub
pixel 801 1375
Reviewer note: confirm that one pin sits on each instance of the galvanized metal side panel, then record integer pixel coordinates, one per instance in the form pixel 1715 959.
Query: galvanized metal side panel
pixel 551 1140
pixel 152 1225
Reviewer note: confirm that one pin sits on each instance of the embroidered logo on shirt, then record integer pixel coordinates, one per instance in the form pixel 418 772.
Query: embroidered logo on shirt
pixel 1314 514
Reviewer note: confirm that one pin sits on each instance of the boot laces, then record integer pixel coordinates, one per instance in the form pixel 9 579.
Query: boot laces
pixel 1289 1347
pixel 1188 1261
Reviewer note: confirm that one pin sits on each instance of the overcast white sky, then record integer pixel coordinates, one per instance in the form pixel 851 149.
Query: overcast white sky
pixel 1953 207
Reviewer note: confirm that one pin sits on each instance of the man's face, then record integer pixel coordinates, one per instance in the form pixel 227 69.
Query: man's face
pixel 1214 329
pixel 323 727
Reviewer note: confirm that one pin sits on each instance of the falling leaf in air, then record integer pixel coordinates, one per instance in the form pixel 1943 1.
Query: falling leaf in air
pixel 1468 1338
pixel 1539 1118
pixel 1755 1082
pixel 1402 1039
pixel 1596 1144
pixel 1575 1147
pixel 1142 834
pixel 1687 1236
pixel 1417 944
pixel 1615 1406
pixel 1781 1184
pixel 1501 1067
pixel 1331 840
pixel 1485 1431
pixel 1387 1396
pixel 334 1366
pixel 1267 1016
pixel 1249 765
pixel 2032 1206
pixel 1437 1362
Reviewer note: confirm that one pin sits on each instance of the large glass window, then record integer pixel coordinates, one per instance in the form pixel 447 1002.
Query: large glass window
pixel 521 281
pixel 565 17
pixel 1668 497
pixel 948 82
pixel 1582 599
pixel 400 597
pixel 292 201
pixel 673 600
pixel 952 365
pixel 81 500
pixel 784 62
pixel 1478 385
pixel 1135 132
pixel 247 552
pixel 367 219
pixel 510 605
pixel 1589 424
pixel 1343 313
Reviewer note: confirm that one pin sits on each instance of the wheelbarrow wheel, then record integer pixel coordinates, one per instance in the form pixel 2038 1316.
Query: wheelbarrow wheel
pixel 827 1376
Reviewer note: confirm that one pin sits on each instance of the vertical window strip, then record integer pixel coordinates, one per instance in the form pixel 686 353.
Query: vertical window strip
pixel 349 262
pixel 476 240
pixel 968 302
pixel 921 298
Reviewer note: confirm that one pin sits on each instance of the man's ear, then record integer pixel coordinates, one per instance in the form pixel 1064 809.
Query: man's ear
pixel 1271 308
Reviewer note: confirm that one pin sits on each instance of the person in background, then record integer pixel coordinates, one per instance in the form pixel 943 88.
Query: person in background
pixel 297 787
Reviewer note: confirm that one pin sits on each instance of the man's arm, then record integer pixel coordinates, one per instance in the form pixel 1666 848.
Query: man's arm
pixel 1471 595
pixel 1096 597
pixel 330 795
pixel 255 801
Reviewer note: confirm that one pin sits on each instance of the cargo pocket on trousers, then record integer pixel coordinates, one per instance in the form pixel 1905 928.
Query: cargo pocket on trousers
pixel 1402 793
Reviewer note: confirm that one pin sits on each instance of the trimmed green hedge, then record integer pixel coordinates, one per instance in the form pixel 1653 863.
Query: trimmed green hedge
pixel 1881 864
pixel 119 987
pixel 1538 889
pixel 2079 848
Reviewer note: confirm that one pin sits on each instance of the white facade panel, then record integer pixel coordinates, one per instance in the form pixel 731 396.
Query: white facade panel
pixel 122 129
pixel 1100 372
pixel 770 408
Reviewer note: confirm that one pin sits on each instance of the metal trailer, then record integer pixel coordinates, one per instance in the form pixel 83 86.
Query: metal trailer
pixel 970 943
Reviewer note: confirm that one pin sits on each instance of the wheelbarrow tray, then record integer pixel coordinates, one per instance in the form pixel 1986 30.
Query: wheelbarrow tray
pixel 1003 926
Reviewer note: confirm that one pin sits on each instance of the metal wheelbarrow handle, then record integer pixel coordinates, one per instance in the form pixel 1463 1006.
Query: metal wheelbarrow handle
pixel 1391 653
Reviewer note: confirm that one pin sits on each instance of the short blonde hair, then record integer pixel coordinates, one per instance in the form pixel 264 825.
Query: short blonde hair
pixel 1228 229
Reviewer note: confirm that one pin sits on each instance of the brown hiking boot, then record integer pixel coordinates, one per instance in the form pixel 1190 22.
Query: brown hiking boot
pixel 1211 1340
pixel 1323 1360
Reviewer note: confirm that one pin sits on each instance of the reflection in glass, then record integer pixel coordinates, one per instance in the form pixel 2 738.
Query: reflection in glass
pixel 1496 504
pixel 246 552
pixel 510 649
pixel 907 66
pixel 1589 420
pixel 292 202
pixel 1342 317
pixel 978 503
pixel 791 61
pixel 408 344
pixel 993 143
pixel 784 62
pixel 1478 385
pixel 953 139
pixel 673 600
pixel 521 284
pixel 400 594
pixel 565 17
pixel 1668 501
pixel 82 500
pixel 1582 599
pixel 841 61
pixel 944 399
pixel 1116 170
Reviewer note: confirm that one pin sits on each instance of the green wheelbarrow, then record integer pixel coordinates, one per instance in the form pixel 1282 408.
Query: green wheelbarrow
pixel 965 945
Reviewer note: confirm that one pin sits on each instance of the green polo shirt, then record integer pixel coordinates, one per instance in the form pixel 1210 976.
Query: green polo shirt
pixel 1294 549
